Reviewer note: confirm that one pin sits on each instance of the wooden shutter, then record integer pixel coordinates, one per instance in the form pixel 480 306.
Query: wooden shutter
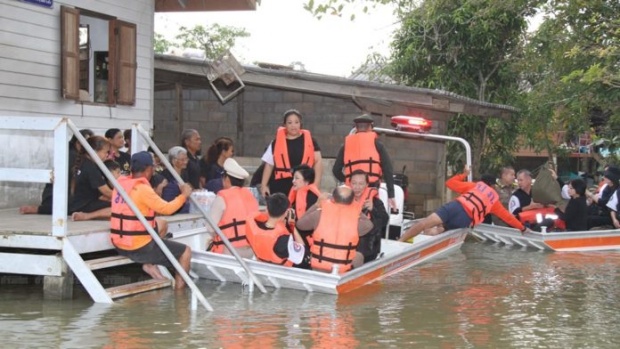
pixel 70 53
pixel 125 63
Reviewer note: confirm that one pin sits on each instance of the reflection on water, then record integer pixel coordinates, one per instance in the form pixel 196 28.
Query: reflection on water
pixel 483 296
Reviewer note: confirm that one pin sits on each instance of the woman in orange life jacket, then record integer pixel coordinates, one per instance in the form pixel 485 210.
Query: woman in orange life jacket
pixel 269 237
pixel 292 146
pixel 477 199
pixel 230 209
pixel 302 196
pixel 367 199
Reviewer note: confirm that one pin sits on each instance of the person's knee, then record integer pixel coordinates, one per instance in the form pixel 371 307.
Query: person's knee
pixel 162 226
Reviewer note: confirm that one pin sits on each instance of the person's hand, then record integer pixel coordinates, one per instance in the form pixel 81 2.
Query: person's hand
pixel 466 170
pixel 616 224
pixel 392 204
pixel 264 190
pixel 186 189
pixel 367 205
pixel 554 175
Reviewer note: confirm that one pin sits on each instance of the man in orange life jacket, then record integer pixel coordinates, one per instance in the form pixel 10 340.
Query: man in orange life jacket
pixel 231 207
pixel 337 225
pixel 476 201
pixel 367 199
pixel 128 234
pixel 363 151
pixel 269 236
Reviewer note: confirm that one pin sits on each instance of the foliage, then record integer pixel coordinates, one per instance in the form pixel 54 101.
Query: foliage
pixel 214 40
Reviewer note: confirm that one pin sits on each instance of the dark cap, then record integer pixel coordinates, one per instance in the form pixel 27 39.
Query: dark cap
pixel 141 159
pixel 363 119
pixel 613 174
pixel 488 179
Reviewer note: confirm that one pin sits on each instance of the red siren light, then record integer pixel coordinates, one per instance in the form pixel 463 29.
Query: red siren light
pixel 411 123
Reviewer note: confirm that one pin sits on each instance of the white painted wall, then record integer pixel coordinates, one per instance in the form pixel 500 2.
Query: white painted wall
pixel 30 82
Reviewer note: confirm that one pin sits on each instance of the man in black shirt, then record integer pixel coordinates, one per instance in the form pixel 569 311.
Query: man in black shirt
pixel 190 140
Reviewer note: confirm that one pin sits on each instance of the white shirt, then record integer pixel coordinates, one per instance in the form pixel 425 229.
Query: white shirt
pixel 268 156
pixel 612 204
pixel 513 204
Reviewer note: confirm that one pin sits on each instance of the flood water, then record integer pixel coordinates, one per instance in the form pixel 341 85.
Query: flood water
pixel 483 296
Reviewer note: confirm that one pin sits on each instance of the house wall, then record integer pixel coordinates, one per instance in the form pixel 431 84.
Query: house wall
pixel 30 82
pixel 252 117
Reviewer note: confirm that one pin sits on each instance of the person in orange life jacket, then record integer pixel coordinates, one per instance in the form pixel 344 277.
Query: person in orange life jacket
pixel 521 199
pixel 269 237
pixel 190 140
pixel 292 146
pixel 337 226
pixel 367 198
pixel 363 151
pixel 232 205
pixel 127 233
pixel 477 199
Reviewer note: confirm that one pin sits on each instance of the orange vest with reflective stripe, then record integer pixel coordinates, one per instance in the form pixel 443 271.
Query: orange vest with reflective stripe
pixel 368 193
pixel 240 203
pixel 360 153
pixel 477 201
pixel 298 198
pixel 335 237
pixel 127 232
pixel 282 163
pixel 263 240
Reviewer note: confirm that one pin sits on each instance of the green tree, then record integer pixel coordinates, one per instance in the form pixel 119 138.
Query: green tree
pixel 214 40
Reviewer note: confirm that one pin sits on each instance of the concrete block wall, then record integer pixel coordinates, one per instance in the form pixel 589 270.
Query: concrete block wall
pixel 252 117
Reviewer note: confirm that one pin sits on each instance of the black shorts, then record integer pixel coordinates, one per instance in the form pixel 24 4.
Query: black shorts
pixel 152 254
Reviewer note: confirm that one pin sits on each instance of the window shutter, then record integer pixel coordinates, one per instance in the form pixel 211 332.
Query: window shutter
pixel 126 64
pixel 70 53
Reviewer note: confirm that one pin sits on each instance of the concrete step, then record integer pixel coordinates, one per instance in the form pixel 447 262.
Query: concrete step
pixel 137 287
pixel 107 262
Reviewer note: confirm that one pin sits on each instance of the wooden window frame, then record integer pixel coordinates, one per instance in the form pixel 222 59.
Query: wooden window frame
pixel 122 58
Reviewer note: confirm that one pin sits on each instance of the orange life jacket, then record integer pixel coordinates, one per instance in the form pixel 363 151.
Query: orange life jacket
pixel 127 232
pixel 298 198
pixel 335 237
pixel 263 240
pixel 477 201
pixel 360 153
pixel 369 193
pixel 240 203
pixel 282 164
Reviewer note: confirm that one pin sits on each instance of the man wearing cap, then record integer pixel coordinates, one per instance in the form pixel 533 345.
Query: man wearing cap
pixel 605 202
pixel 363 151
pixel 477 199
pixel 269 236
pixel 232 205
pixel 127 233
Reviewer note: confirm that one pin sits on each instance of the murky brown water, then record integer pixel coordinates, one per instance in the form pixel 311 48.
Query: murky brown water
pixel 484 296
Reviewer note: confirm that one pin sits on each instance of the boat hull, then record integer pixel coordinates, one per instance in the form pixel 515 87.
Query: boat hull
pixel 396 257
pixel 578 241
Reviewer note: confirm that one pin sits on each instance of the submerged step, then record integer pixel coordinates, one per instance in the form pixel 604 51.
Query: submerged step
pixel 137 287
pixel 107 262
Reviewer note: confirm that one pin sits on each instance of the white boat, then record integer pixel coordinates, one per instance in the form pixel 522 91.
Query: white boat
pixel 395 257
pixel 590 240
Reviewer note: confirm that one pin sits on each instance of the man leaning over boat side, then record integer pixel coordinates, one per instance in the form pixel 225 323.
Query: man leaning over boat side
pixel 477 199
pixel 127 233
pixel 337 225
pixel 269 237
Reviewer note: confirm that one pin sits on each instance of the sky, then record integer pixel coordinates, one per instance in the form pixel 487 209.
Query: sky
pixel 282 32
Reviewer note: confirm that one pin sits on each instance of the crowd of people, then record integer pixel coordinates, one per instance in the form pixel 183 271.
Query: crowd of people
pixel 301 226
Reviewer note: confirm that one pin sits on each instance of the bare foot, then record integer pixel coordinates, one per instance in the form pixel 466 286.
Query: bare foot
pixel 29 209
pixel 153 271
pixel 79 216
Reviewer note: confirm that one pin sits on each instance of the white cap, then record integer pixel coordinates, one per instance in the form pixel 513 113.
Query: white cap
pixel 233 169
pixel 565 194
pixel 296 251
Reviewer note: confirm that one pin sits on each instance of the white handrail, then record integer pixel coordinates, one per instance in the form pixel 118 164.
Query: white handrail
pixel 154 235
pixel 217 230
